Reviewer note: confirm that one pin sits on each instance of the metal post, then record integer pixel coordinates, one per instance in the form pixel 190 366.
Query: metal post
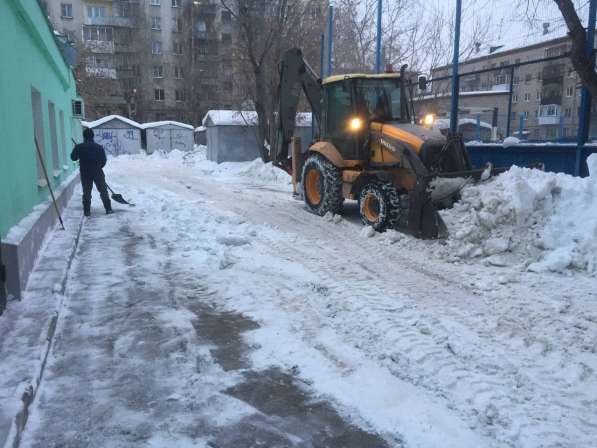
pixel 510 102
pixel 478 129
pixel 378 38
pixel 455 77
pixel 561 126
pixel 330 38
pixel 585 101
pixel 520 126
pixel 321 55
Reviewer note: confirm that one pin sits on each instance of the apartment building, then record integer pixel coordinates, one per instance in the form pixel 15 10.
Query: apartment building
pixel 150 60
pixel 545 95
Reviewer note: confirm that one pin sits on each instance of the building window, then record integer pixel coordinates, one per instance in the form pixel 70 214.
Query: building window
pixel 516 80
pixel 66 10
pixel 179 95
pixel 63 140
pixel 177 25
pixel 96 11
pixel 175 3
pixel 527 97
pixel 103 33
pixel 525 114
pixel 155 3
pixel 569 91
pixel 156 23
pixel 500 79
pixel 226 38
pixel 158 94
pixel 178 73
pixel 528 78
pixel 536 113
pixel 156 47
pixel 538 96
pixel 550 110
pixel 177 48
pixel 226 17
pixel 568 112
pixel 515 98
pixel 158 71
pixel 550 133
pixel 38 133
pixel 54 139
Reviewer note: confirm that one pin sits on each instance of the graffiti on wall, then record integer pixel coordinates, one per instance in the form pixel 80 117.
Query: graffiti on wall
pixel 168 139
pixel 119 141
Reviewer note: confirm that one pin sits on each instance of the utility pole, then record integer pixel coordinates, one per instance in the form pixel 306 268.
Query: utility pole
pixel 378 38
pixel 455 77
pixel 585 100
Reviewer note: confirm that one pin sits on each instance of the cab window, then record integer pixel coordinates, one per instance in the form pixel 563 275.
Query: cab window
pixel 339 109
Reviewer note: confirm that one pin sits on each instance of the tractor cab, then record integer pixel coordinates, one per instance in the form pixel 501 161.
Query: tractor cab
pixel 352 102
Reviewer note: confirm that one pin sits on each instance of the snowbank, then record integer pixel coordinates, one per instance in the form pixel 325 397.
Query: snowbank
pixel 536 220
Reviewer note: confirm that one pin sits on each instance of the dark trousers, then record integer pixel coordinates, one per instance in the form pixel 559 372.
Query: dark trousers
pixel 87 181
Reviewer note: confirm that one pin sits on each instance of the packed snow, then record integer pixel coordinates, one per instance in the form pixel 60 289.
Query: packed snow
pixel 485 339
pixel 528 218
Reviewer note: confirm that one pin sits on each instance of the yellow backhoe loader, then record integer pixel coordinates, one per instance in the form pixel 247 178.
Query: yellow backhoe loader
pixel 367 147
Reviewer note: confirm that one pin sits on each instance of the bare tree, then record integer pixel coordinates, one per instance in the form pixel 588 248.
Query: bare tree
pixel 582 63
pixel 265 28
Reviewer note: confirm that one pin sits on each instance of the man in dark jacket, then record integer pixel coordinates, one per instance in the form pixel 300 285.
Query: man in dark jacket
pixel 92 158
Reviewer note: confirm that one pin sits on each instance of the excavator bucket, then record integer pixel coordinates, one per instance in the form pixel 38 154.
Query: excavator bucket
pixel 423 219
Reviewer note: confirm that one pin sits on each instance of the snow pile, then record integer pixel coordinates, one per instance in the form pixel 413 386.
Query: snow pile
pixel 511 141
pixel 538 221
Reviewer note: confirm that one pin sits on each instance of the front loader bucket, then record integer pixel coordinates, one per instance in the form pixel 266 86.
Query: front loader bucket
pixel 423 219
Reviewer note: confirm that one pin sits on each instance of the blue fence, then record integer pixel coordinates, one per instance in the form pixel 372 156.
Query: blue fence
pixel 555 158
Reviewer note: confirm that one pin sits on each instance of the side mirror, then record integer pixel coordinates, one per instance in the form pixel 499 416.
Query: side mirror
pixel 422 83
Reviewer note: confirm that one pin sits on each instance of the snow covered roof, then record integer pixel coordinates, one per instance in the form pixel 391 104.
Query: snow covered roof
pixel 244 118
pixel 200 129
pixel 230 118
pixel 99 122
pixel 444 123
pixel 156 124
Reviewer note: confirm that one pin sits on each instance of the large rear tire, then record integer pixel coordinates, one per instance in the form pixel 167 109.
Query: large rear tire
pixel 322 185
pixel 382 206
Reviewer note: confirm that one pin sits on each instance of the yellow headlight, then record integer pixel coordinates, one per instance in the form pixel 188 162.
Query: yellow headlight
pixel 356 124
pixel 429 120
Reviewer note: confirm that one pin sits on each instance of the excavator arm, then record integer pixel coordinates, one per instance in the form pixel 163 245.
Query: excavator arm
pixel 296 75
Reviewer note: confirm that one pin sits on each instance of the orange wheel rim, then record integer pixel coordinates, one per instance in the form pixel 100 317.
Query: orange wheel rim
pixel 313 186
pixel 371 208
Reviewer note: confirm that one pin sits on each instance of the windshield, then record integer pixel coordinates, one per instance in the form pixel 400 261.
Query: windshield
pixel 379 99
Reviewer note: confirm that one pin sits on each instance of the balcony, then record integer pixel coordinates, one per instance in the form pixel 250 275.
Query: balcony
pixel 549 115
pixel 101 72
pixel 549 121
pixel 553 74
pixel 125 22
pixel 100 46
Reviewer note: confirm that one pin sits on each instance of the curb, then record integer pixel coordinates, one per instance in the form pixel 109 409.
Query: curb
pixel 30 392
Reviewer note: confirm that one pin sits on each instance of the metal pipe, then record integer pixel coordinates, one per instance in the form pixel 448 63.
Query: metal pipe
pixel 455 78
pixel 330 38
pixel 378 38
pixel 509 117
pixel 585 100
pixel 478 128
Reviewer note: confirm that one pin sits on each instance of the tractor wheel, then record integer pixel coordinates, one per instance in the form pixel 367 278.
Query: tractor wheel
pixel 381 206
pixel 322 185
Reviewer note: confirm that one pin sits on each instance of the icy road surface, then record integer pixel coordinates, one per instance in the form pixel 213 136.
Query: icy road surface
pixel 219 313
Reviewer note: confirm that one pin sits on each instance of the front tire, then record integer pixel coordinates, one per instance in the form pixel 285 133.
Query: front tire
pixel 322 185
pixel 380 206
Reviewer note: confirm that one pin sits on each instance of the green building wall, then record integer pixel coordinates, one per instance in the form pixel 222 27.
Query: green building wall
pixel 30 59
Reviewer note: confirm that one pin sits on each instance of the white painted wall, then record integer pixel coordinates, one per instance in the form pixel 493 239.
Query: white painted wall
pixel 119 141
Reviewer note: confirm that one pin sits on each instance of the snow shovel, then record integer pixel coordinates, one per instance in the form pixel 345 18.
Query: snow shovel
pixel 118 197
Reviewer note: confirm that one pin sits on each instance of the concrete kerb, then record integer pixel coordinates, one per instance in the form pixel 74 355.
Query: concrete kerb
pixel 30 391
